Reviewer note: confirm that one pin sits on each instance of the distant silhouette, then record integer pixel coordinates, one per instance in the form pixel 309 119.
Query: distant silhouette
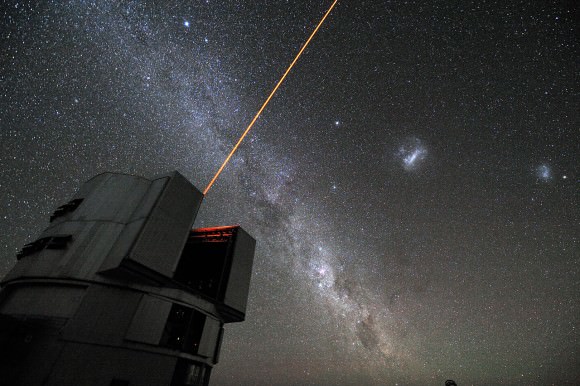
pixel 449 382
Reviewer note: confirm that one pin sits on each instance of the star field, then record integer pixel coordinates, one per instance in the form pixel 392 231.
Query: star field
pixel 412 187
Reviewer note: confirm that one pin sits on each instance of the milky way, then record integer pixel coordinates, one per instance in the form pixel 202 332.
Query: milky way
pixel 413 186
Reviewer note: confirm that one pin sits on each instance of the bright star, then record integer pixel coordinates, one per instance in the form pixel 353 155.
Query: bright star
pixel 186 24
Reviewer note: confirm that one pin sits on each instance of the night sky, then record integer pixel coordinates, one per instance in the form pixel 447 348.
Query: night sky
pixel 413 187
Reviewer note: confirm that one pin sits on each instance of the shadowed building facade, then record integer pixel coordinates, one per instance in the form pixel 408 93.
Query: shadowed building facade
pixel 119 290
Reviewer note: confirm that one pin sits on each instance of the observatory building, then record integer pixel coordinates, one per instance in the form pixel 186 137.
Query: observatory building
pixel 119 290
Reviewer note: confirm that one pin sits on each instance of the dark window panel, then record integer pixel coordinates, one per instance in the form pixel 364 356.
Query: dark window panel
pixel 71 206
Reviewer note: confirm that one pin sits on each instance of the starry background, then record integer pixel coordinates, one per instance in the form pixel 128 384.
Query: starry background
pixel 413 187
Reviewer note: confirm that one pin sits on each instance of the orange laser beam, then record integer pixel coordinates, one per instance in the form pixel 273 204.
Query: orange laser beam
pixel 268 99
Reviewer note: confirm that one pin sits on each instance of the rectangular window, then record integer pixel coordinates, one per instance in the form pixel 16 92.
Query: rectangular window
pixel 52 242
pixel 66 208
pixel 189 373
pixel 33 247
pixel 194 334
pixel 183 329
